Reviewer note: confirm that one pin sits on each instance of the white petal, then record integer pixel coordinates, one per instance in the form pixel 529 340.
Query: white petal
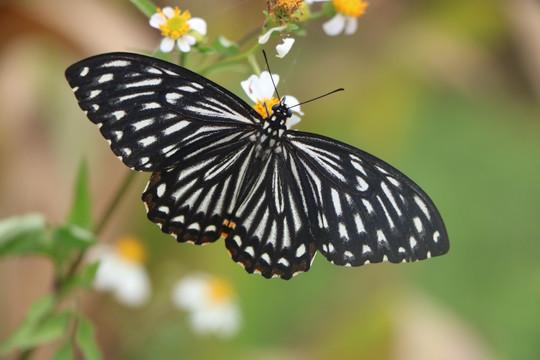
pixel 183 43
pixel 292 121
pixel 263 39
pixel 266 87
pixel 222 320
pixel 156 20
pixel 191 292
pixel 168 11
pixel 292 101
pixel 190 39
pixel 197 24
pixel 351 23
pixel 135 287
pixel 283 49
pixel 127 280
pixel 335 25
pixel 312 1
pixel 167 44
pixel 250 88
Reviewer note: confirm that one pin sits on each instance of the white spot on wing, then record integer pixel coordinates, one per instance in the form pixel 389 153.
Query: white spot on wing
pixel 418 224
pixel 336 201
pixel 237 240
pixel 84 71
pixel 173 97
pixel 422 206
pixel 362 184
pixel 141 124
pixel 149 106
pixel 148 140
pixel 249 250
pixel 266 258
pixel 164 209
pixel 178 219
pixel 368 206
pixel 284 262
pixel 147 82
pixel 94 93
pixel 413 242
pixel 161 189
pixel 301 250
pixel 116 63
pixel 343 231
pixel 359 223
pixel 105 77
pixel 175 127
pixel 119 114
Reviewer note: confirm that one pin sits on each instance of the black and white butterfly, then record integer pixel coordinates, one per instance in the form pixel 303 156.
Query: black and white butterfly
pixel 277 196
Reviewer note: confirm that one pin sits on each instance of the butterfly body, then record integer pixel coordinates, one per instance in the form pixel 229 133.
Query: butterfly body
pixel 219 169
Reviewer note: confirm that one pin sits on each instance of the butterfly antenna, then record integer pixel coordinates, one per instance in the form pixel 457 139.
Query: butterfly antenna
pixel 271 77
pixel 318 97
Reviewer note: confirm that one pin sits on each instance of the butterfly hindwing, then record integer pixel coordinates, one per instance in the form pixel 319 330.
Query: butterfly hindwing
pixel 362 209
pixel 269 231
pixel 192 201
pixel 154 113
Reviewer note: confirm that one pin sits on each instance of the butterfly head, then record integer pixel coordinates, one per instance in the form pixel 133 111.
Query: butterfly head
pixel 280 113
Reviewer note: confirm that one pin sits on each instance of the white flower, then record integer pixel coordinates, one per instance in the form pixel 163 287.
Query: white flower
pixel 261 91
pixel 283 49
pixel 121 271
pixel 346 18
pixel 177 27
pixel 211 304
pixel 340 23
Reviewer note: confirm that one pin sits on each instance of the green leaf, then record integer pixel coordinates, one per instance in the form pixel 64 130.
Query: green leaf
pixel 145 6
pixel 80 210
pixel 51 328
pixel 84 279
pixel 87 277
pixel 224 46
pixel 23 234
pixel 65 352
pixel 32 329
pixel 86 341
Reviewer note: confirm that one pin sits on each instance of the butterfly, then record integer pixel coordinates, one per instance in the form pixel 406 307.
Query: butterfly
pixel 219 169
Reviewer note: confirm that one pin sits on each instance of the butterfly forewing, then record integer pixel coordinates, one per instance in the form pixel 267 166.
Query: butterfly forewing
pixel 154 113
pixel 364 210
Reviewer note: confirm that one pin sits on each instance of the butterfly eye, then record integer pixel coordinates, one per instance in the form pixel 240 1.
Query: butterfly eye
pixel 289 112
pixel 275 107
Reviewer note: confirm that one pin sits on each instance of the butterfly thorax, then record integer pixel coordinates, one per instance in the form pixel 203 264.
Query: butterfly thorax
pixel 273 128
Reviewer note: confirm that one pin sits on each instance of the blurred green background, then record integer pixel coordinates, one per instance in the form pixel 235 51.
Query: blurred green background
pixel 446 91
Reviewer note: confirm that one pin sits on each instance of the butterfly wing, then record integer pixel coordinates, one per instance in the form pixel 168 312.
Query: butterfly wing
pixel 362 210
pixel 191 202
pixel 269 232
pixel 153 113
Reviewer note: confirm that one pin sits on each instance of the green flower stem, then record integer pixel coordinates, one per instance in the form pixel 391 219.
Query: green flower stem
pixel 114 203
pixel 254 65
pixel 230 61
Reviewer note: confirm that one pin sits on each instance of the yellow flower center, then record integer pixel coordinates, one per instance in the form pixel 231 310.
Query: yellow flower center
pixel 261 109
pixel 220 290
pixel 352 8
pixel 131 249
pixel 176 25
